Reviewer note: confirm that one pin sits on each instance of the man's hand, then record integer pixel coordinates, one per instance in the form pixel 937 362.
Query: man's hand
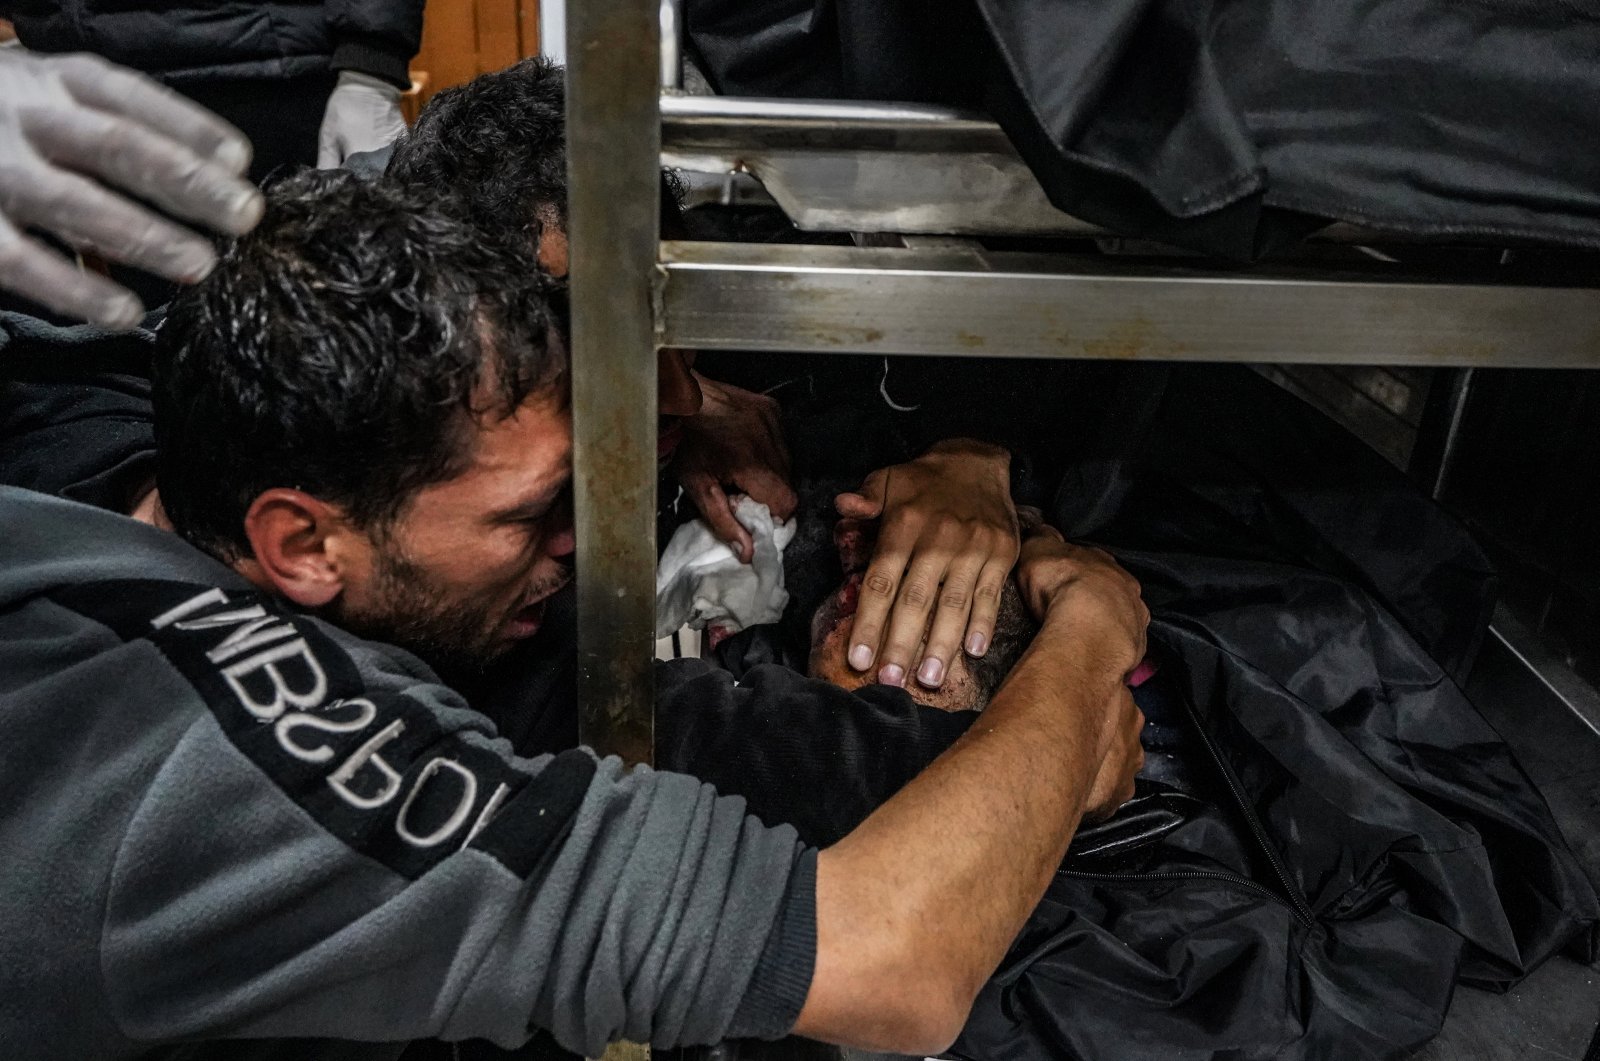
pixel 1088 587
pixel 949 536
pixel 734 441
pixel 363 114
pixel 74 127
pixel 982 829
pixel 1124 758
pixel 1053 572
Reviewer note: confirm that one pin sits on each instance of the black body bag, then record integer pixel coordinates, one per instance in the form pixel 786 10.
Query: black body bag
pixel 1348 839
pixel 1370 840
pixel 1349 864
pixel 1227 127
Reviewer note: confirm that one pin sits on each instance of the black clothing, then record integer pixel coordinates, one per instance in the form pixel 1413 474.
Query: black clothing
pixel 210 40
pixel 283 132
pixel 266 68
pixel 75 415
pixel 1228 128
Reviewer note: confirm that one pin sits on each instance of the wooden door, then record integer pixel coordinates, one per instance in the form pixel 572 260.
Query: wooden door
pixel 464 38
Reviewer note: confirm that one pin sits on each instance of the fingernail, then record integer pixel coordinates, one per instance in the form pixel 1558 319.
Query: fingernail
pixel 234 154
pixel 976 643
pixel 122 311
pixel 861 657
pixel 931 673
pixel 197 265
pixel 892 674
pixel 246 209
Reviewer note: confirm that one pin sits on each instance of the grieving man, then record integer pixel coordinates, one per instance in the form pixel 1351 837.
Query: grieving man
pixel 234 813
pixel 950 532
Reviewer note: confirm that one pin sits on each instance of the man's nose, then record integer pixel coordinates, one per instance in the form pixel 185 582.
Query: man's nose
pixel 562 543
pixel 561 538
pixel 679 393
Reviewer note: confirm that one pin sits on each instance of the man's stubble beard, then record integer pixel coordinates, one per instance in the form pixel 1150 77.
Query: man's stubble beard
pixel 412 611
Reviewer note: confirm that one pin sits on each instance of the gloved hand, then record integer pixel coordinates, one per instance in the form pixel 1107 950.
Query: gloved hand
pixel 363 115
pixel 72 125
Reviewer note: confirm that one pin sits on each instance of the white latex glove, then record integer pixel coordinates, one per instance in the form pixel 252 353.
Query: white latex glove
pixel 363 115
pixel 74 127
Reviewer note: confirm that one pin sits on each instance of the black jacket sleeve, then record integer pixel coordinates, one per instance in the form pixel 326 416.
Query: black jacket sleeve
pixel 377 37
pixel 75 417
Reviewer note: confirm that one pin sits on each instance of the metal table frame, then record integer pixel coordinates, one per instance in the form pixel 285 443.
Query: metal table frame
pixel 633 294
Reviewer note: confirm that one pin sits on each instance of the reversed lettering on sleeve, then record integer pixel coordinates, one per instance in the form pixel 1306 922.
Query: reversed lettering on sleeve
pixel 287 673
pixel 367 761
pixel 468 782
pixel 372 767
pixel 365 712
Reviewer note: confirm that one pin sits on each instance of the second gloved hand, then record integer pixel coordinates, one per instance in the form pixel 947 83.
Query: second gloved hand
pixel 363 115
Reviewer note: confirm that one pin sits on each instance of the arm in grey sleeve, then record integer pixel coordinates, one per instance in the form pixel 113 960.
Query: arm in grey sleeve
pixel 335 846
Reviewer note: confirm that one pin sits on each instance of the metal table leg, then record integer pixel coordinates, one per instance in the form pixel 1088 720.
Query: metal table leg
pixel 613 152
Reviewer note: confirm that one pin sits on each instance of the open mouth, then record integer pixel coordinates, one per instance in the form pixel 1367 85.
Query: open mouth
pixel 854 539
pixel 526 621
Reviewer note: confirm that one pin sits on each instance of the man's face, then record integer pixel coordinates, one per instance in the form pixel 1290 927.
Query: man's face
pixel 465 570
pixel 830 631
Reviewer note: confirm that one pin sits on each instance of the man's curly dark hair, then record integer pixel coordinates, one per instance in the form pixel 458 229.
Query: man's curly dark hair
pixel 344 348
pixel 498 143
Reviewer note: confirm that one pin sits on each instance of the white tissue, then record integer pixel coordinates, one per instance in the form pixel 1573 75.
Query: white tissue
pixel 700 581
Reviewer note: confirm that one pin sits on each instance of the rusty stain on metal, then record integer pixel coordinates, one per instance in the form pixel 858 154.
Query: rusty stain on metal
pixel 1135 339
pixel 843 335
pixel 971 341
pixel 1463 351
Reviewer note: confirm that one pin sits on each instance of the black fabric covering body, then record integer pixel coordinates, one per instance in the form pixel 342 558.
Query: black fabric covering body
pixel 1420 848
pixel 1318 613
pixel 1223 126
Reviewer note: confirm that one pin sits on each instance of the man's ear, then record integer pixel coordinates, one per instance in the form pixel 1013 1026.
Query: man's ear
pixel 299 545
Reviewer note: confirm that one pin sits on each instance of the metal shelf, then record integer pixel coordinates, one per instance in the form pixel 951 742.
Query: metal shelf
pixel 804 298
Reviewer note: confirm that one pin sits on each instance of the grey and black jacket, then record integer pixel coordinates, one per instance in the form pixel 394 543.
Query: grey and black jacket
pixel 226 821
pixel 203 40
